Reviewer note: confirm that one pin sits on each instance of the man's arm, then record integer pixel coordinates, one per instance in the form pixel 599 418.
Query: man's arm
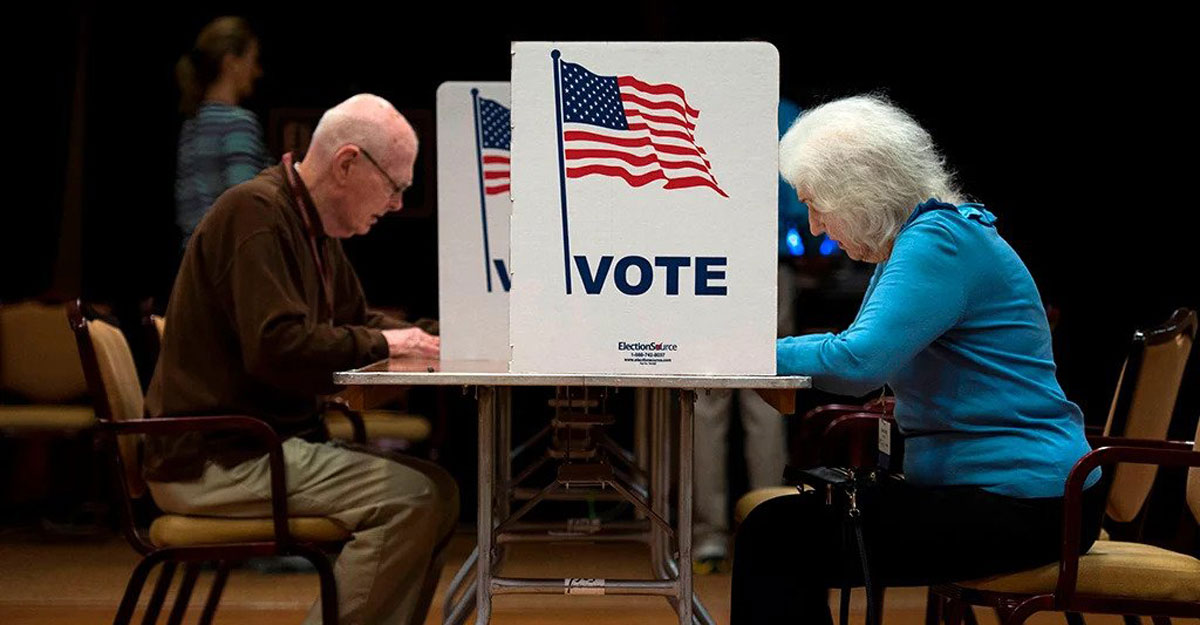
pixel 281 341
pixel 403 339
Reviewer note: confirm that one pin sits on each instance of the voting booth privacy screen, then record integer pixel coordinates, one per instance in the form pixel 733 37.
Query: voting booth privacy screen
pixel 644 206
pixel 473 134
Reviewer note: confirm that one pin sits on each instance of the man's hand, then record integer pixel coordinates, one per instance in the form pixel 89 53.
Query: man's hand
pixel 412 342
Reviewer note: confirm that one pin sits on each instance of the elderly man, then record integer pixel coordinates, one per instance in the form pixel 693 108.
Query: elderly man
pixel 265 308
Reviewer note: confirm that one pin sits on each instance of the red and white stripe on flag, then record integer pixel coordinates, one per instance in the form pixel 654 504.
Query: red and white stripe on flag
pixel 660 142
pixel 496 165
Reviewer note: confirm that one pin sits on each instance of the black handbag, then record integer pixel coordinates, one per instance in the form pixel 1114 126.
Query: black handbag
pixel 843 488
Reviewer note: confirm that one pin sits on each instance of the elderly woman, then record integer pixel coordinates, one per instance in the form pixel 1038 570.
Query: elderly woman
pixel 952 322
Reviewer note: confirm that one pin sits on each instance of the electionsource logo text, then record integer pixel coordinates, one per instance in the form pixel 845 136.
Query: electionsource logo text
pixel 650 347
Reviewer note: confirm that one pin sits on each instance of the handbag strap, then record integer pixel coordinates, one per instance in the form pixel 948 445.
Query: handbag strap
pixel 853 524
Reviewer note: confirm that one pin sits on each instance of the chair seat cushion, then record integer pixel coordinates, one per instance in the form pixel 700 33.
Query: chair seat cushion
pixel 752 499
pixel 1113 569
pixel 381 424
pixel 46 417
pixel 173 530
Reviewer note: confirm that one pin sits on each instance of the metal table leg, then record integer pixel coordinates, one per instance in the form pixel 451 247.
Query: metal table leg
pixel 461 610
pixel 641 429
pixel 660 482
pixel 454 613
pixel 666 442
pixel 687 404
pixel 487 449
pixel 504 493
pixel 671 562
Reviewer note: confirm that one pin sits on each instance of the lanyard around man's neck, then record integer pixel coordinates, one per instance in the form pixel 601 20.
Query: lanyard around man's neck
pixel 304 207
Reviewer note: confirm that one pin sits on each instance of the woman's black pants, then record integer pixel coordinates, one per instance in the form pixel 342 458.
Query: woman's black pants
pixel 792 549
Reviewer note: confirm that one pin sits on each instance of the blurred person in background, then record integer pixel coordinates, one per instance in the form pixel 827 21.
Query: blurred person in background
pixel 220 143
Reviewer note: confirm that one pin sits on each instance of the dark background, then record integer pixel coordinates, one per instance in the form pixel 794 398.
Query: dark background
pixel 1072 129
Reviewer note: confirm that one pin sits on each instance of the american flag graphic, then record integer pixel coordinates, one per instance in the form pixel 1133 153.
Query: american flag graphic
pixel 496 142
pixel 624 127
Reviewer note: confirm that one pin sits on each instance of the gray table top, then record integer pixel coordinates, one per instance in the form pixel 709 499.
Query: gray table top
pixel 424 372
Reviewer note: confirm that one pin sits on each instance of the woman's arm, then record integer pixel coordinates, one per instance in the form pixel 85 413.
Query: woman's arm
pixel 919 295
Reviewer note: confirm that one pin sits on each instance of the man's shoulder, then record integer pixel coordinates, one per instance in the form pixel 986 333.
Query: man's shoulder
pixel 257 204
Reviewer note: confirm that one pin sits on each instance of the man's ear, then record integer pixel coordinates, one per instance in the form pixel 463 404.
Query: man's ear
pixel 343 160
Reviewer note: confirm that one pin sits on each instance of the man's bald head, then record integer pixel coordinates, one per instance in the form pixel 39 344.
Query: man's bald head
pixel 367 121
pixel 359 162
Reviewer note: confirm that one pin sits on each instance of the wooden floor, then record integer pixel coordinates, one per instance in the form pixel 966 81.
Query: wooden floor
pixel 81 583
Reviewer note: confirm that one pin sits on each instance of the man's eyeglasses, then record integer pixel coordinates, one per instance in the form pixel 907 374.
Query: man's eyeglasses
pixel 397 190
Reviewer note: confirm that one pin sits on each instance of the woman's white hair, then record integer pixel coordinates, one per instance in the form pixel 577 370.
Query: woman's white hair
pixel 867 161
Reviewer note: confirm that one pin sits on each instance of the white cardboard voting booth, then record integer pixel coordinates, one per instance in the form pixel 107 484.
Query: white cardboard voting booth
pixel 473 131
pixel 644 201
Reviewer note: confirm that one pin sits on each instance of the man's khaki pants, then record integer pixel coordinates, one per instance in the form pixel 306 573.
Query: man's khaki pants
pixel 399 510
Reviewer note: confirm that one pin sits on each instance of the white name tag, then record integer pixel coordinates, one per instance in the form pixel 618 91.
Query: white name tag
pixel 885 437
pixel 583 586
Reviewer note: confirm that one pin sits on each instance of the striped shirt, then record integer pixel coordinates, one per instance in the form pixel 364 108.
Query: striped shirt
pixel 219 147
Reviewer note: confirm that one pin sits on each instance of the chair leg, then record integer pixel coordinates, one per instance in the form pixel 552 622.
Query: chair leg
pixel 184 595
pixel 214 593
pixel 1074 618
pixel 969 615
pixel 133 589
pixel 954 612
pixel 329 598
pixel 933 608
pixel 1132 620
pixel 165 576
